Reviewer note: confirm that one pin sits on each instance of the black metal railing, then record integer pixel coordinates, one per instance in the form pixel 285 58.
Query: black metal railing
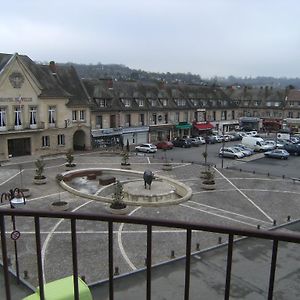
pixel 231 231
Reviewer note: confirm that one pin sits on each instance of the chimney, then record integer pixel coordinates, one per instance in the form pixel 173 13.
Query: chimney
pixel 110 84
pixel 52 67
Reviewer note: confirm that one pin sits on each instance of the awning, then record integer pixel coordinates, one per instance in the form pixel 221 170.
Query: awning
pixel 203 126
pixel 183 125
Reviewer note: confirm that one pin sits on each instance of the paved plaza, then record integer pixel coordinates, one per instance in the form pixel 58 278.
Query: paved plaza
pixel 240 199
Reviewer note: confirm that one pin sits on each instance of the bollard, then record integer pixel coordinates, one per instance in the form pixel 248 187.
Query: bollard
pixel 83 278
pixel 288 218
pixel 197 246
pixel 268 174
pixel 172 254
pixel 253 171
pixel 9 261
pixel 116 271
pixel 220 240
pixel 283 176
pixel 240 170
pixel 274 222
pixel 26 274
pixel 258 226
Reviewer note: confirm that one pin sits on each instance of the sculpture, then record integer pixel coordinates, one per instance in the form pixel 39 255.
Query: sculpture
pixel 148 177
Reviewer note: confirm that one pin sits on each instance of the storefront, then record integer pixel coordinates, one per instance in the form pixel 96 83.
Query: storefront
pixel 202 128
pixel 271 125
pixel 106 137
pixel 162 132
pixel 183 129
pixel 250 123
pixel 135 135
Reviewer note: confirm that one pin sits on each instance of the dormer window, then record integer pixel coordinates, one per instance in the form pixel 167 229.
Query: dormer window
pixel 140 102
pixel 181 102
pixel 164 102
pixel 126 102
pixel 195 102
pixel 101 102
pixel 153 102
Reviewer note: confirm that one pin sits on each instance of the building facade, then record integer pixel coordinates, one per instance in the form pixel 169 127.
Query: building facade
pixel 43 109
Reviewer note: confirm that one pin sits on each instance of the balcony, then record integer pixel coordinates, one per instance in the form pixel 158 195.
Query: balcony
pixel 253 263
pixel 25 127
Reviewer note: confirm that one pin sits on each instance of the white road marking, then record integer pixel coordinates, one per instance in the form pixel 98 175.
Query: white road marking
pixel 131 265
pixel 10 178
pixel 243 194
pixel 148 159
pixel 49 236
pixel 217 215
pixel 228 212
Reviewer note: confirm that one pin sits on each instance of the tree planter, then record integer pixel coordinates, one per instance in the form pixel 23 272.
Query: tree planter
pixel 70 167
pixel 41 180
pixel 125 166
pixel 117 211
pixel 208 185
pixel 59 206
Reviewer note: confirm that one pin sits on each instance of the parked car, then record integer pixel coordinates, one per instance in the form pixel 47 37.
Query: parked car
pixel 246 152
pixel 271 143
pixel 234 136
pixel 195 142
pixel 147 148
pixel 292 148
pixel 277 153
pixel 165 145
pixel 201 139
pixel 231 152
pixel 241 146
pixel 184 143
pixel 211 139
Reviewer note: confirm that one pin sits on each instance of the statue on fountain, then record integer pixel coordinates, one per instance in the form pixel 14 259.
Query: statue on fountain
pixel 148 177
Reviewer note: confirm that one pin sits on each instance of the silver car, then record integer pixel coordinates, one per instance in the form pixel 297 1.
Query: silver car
pixel 231 152
pixel 147 148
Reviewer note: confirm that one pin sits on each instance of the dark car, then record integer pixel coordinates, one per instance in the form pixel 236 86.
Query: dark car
pixel 165 145
pixel 184 143
pixel 292 148
pixel 211 139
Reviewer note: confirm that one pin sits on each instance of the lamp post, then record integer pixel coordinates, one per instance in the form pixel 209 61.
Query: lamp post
pixel 16 200
pixel 223 145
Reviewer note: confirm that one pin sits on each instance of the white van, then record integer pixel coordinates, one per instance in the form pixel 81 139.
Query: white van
pixel 256 143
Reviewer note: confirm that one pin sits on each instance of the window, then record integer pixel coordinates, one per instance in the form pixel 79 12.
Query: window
pixel 82 115
pixel 232 114
pixel 142 119
pixel 127 102
pixel 186 116
pixel 18 121
pixel 177 116
pixel 290 114
pixel 224 115
pixel 102 102
pixel 181 102
pixel 52 115
pixel 154 119
pixel 140 102
pixel 99 121
pixel 214 116
pixel 2 117
pixel 32 115
pixel 166 118
pixel 153 102
pixel 61 140
pixel 128 120
pixel 164 102
pixel 74 115
pixel 45 141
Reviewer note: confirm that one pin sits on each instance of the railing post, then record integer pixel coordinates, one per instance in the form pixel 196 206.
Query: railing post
pixel 272 270
pixel 74 258
pixel 149 260
pixel 39 257
pixel 4 258
pixel 110 260
pixel 228 269
pixel 188 264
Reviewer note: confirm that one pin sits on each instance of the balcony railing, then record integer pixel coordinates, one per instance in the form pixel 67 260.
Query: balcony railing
pixel 23 126
pixel 73 217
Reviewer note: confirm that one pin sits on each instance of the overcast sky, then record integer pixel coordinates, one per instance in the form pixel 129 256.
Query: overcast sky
pixel 212 37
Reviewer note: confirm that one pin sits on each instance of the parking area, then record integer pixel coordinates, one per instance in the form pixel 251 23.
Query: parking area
pixel 243 199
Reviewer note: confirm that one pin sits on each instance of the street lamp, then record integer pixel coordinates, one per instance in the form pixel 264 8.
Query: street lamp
pixel 16 199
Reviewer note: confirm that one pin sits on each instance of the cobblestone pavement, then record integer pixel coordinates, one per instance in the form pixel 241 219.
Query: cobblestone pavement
pixel 242 200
